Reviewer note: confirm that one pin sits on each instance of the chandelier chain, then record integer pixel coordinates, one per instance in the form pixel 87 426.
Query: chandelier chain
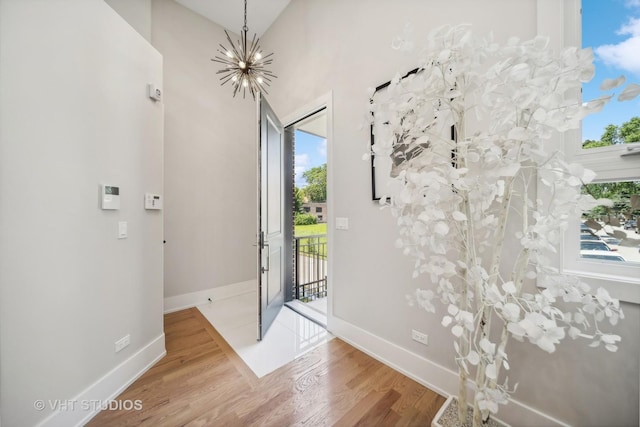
pixel 245 28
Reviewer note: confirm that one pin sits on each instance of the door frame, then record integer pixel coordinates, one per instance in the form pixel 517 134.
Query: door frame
pixel 323 102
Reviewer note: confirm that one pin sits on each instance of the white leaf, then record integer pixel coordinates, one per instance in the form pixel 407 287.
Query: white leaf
pixel 511 312
pixel 505 364
pixel 446 321
pixel 459 216
pixel 491 371
pixel 631 91
pixel 588 175
pixel 546 344
pixel 610 339
pixel 509 287
pixel 608 84
pixel 452 309
pixel 487 346
pixel 597 104
pixel 518 133
pixel 441 228
pixel 611 347
pixel 473 157
pixel 520 71
pixel 516 329
pixel 473 357
pixel 457 331
pixel 574 332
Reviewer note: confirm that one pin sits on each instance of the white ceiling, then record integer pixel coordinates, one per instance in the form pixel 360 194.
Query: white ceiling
pixel 230 13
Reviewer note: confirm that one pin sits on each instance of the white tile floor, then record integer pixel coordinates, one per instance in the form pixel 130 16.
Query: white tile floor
pixel 290 336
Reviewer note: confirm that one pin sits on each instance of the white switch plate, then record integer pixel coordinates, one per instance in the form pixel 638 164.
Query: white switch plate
pixel 342 223
pixel 123 342
pixel 420 337
pixel 122 230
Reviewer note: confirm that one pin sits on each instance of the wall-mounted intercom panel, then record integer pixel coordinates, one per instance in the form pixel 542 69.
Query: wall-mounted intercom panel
pixel 152 201
pixel 110 197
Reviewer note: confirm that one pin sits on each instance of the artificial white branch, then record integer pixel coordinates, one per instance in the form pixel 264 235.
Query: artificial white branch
pixel 452 214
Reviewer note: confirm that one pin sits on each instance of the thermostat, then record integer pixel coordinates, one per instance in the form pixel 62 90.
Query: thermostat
pixel 110 196
pixel 154 92
pixel 152 201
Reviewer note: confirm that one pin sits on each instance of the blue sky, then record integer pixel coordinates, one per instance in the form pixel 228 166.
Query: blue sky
pixel 311 151
pixel 612 29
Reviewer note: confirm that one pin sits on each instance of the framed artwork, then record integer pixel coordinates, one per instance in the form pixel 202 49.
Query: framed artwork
pixel 384 167
pixel 381 165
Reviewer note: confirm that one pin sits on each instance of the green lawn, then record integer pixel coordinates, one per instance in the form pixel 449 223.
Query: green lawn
pixel 310 230
pixel 313 230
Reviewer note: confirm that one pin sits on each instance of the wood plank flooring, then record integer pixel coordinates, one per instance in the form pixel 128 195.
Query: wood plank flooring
pixel 203 382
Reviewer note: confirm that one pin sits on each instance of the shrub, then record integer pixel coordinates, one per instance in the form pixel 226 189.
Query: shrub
pixel 305 219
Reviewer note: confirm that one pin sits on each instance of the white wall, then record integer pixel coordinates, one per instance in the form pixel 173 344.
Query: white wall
pixel 344 47
pixel 210 159
pixel 136 12
pixel 74 113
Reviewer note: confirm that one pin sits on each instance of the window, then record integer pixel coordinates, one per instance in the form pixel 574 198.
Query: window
pixel 576 23
pixel 318 209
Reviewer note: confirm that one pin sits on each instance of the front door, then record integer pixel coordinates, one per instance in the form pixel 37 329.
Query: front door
pixel 274 258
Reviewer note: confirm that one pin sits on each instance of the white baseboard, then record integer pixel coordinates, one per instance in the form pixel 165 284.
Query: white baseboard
pixel 193 299
pixel 432 375
pixel 86 404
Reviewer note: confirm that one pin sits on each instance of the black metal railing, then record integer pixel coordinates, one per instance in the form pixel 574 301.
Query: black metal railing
pixel 311 267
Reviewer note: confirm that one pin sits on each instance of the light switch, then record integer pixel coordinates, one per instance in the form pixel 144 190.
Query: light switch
pixel 342 223
pixel 122 230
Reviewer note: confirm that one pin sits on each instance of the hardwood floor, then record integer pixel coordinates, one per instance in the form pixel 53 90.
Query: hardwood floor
pixel 202 382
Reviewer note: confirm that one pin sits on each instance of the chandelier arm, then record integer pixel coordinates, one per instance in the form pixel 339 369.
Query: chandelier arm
pixel 233 46
pixel 254 47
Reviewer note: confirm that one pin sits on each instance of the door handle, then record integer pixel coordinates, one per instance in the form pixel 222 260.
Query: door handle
pixel 264 269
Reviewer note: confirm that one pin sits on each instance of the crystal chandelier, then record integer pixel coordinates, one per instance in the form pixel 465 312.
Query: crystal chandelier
pixel 245 65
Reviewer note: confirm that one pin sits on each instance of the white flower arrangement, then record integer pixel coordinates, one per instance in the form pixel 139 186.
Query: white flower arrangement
pixel 454 197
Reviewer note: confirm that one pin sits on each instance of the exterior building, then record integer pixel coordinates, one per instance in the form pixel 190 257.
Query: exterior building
pixel 317 209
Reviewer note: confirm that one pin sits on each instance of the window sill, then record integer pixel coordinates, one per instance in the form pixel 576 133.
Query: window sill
pixel 624 288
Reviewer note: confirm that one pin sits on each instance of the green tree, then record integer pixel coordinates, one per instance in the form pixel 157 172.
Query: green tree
pixel 630 131
pixel 298 200
pixel 611 135
pixel 618 192
pixel 590 143
pixel 316 189
pixel 626 133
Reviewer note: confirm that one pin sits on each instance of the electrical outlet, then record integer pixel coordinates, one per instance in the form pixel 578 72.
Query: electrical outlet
pixel 420 337
pixel 123 342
